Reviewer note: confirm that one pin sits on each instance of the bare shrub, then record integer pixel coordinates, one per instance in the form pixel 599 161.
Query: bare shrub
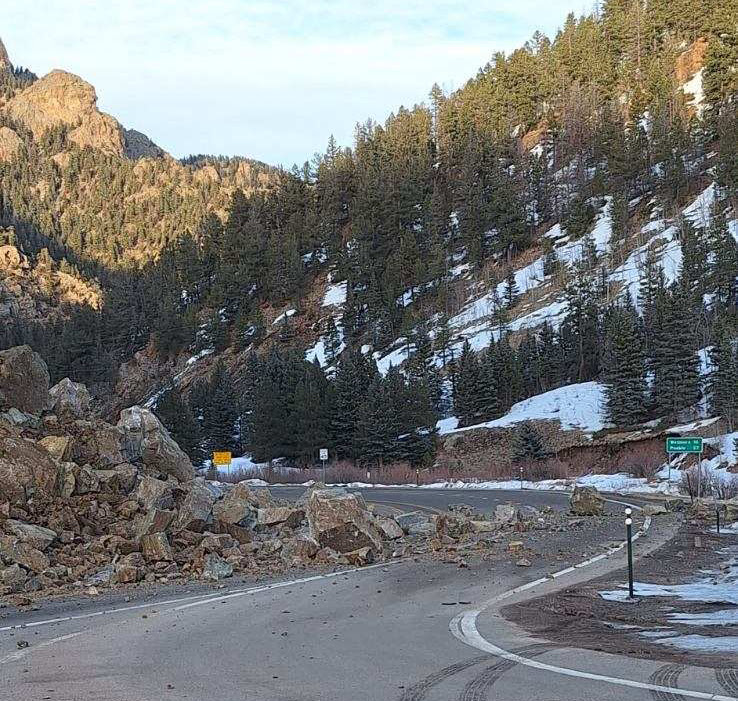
pixel 709 484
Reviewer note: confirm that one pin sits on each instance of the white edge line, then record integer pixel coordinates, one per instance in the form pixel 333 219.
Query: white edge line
pixel 197 598
pixel 464 628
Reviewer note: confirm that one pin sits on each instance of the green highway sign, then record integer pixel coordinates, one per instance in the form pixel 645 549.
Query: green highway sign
pixel 684 445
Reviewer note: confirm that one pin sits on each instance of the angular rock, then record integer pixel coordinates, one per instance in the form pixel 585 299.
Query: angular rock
pixel 21 419
pixel 337 521
pixel 146 440
pixel 56 446
pixel 25 469
pixel 155 547
pixel 506 513
pixel 586 501
pixel 67 482
pixel 14 578
pixel 69 400
pixel 154 521
pixel 154 493
pixel 360 557
pixel 216 568
pixel 24 380
pixel 36 536
pixel 484 526
pixel 96 443
pixel 388 527
pixel 452 525
pixel 299 550
pixel 416 523
pixel 87 481
pixel 275 515
pixel 23 554
pixel 102 577
pixel 238 507
pixel 196 511
pixel 654 509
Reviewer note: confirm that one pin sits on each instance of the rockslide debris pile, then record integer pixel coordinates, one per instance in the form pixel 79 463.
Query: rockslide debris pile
pixel 85 504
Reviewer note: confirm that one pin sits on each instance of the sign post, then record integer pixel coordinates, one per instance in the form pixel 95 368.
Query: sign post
pixel 223 458
pixel 629 536
pixel 323 458
pixel 691 445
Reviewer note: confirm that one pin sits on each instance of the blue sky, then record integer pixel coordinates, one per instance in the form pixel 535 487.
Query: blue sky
pixel 269 80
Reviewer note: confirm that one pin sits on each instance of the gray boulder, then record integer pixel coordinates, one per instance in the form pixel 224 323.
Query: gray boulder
pixel 69 400
pixel 146 440
pixel 216 568
pixel 36 536
pixel 237 508
pixel 24 380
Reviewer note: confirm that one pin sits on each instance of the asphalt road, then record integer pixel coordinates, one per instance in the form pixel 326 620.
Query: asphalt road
pixel 377 634
pixel 483 500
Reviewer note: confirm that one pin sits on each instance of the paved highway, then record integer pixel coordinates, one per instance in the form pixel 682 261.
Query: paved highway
pixel 377 634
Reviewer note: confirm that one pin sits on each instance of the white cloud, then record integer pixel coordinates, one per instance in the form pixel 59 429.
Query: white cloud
pixel 271 80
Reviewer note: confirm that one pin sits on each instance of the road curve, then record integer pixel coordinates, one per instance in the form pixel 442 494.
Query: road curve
pixel 375 634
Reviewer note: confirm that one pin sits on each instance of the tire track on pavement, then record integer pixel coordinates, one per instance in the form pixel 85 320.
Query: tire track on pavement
pixel 419 690
pixel 478 688
pixel 668 675
pixel 728 679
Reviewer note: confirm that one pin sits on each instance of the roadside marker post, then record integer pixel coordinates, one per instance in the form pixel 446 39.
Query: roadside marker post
pixel 323 459
pixel 629 538
pixel 417 476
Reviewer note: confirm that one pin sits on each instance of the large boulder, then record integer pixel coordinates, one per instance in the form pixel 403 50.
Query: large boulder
pixel 277 515
pixel 338 521
pixel 152 492
pixel 238 507
pixel 36 536
pixel 25 470
pixel 24 554
pixel 155 548
pixel 147 441
pixel 69 400
pixel 196 510
pixel 416 523
pixel 97 443
pixel 215 567
pixel 586 501
pixel 24 380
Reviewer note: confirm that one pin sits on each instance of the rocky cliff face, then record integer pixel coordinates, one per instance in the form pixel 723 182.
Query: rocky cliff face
pixel 35 292
pixel 4 58
pixel 62 98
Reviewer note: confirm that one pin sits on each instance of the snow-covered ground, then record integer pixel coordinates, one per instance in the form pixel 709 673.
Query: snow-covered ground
pixel 712 587
pixel 577 406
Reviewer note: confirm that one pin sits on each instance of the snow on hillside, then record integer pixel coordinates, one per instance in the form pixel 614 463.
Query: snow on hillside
pixel 335 295
pixel 577 406
pixel 693 88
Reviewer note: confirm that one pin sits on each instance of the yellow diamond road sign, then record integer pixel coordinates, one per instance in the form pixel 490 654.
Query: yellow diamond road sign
pixel 222 458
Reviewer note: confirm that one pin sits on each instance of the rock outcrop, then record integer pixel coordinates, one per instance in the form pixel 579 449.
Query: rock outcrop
pixel 62 98
pixel 10 143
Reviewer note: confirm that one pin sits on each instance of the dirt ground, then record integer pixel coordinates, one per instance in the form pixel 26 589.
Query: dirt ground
pixel 580 617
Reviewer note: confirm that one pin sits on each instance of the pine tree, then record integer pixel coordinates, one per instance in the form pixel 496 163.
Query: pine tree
pixel 511 289
pixel 528 444
pixel 723 380
pixel 220 412
pixel 626 390
pixel 176 415
pixel 465 390
pixel 674 362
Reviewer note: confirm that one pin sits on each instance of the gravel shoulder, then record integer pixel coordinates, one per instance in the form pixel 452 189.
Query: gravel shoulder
pixel 579 616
